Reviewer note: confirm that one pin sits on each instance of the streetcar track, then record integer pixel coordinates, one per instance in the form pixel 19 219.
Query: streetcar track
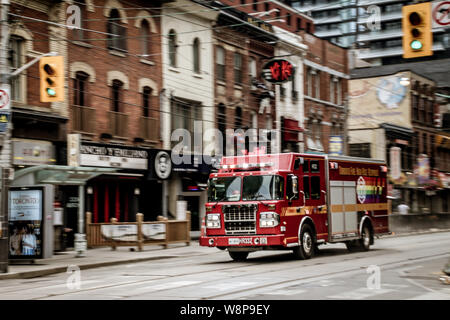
pixel 241 275
pixel 242 267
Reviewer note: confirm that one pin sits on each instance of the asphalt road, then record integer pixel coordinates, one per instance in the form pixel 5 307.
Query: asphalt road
pixel 395 268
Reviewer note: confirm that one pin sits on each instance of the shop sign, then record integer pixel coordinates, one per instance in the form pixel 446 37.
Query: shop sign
pixel 129 232
pixel 100 155
pixel 163 165
pixel 33 152
pixel 25 223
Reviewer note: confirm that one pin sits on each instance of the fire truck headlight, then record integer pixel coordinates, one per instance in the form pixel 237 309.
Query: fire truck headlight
pixel 213 221
pixel 268 219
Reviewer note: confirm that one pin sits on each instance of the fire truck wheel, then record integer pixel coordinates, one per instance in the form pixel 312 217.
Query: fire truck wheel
pixel 364 242
pixel 306 248
pixel 238 255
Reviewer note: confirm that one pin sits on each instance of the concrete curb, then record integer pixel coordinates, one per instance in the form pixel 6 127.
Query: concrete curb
pixel 406 234
pixel 61 269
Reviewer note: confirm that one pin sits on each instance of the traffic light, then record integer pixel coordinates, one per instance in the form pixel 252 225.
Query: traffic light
pixel 51 71
pixel 417 34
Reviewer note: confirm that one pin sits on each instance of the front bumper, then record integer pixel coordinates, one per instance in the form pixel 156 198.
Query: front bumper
pixel 243 241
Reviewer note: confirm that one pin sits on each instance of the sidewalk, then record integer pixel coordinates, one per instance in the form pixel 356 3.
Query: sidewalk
pixel 99 257
pixel 103 257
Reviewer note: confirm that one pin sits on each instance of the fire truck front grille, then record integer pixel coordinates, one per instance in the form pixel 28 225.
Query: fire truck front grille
pixel 240 219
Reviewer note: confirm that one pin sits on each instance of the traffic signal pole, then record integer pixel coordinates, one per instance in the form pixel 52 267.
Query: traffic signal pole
pixel 5 153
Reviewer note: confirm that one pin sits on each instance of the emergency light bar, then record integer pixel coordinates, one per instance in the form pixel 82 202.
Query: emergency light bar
pixel 247 165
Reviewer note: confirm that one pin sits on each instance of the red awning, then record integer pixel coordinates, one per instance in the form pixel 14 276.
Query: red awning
pixel 291 130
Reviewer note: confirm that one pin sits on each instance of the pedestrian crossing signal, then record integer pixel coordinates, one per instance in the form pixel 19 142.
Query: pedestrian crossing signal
pixel 51 70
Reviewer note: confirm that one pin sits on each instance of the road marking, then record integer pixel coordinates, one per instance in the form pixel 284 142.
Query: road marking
pixel 162 286
pixel 360 294
pixel 224 286
pixel 286 292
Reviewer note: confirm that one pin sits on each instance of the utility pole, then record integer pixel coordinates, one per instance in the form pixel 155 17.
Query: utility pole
pixel 5 151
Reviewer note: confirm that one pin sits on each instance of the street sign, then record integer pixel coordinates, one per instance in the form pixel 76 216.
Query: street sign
pixel 440 15
pixel 5 98
pixel 5 116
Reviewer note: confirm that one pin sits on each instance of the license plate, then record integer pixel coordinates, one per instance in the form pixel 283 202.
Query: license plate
pixel 234 241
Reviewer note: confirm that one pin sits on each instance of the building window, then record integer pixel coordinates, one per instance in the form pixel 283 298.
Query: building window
pixel 308 27
pixel 415 106
pixel 220 63
pixel 184 114
pixel 339 91
pixel 238 118
pixel 430 112
pixel 255 5
pixel 116 96
pixel 317 85
pixel 299 24
pixel 145 38
pixel 80 88
pixel 359 150
pixel 332 89
pixel 16 58
pixel 252 70
pixel 294 92
pixel 196 55
pixel 146 105
pixel 118 38
pixel 221 119
pixel 237 68
pixel 266 6
pixel 288 19
pixel 172 48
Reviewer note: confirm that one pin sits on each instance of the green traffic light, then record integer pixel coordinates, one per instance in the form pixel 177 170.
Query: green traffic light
pixel 416 45
pixel 51 92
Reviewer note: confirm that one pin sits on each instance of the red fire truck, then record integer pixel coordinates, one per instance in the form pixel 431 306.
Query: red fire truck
pixel 295 201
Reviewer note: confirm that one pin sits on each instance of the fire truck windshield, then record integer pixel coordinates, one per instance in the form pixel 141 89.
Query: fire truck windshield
pixel 267 187
pixel 224 189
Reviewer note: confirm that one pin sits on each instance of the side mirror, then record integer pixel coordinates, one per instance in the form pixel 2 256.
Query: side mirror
pixel 294 183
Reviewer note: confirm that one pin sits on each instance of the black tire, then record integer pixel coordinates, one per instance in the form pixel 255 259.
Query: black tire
pixel 351 246
pixel 364 242
pixel 306 248
pixel 238 255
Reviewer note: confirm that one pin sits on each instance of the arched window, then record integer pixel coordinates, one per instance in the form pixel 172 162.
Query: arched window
pixel 116 95
pixel 145 38
pixel 117 33
pixel 196 55
pixel 16 60
pixel 80 88
pixel 146 103
pixel 172 48
pixel 220 63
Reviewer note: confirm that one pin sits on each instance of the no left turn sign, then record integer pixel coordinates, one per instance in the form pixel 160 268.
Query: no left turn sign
pixel 4 99
pixel 441 14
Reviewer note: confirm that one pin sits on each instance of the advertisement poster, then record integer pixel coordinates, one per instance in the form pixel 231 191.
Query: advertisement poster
pixel 336 145
pixel 25 224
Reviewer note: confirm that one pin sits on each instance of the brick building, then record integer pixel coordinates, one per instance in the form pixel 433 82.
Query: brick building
pixel 325 93
pixel 242 100
pixel 113 68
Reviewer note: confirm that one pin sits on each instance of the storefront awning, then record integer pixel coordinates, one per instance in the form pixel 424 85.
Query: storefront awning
pixel 443 141
pixel 58 175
